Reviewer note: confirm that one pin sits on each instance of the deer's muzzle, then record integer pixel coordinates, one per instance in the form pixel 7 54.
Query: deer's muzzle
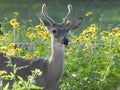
pixel 64 40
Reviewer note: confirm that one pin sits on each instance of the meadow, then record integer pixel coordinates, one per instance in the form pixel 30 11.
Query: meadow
pixel 92 59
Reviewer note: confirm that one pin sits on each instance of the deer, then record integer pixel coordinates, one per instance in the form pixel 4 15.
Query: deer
pixel 53 67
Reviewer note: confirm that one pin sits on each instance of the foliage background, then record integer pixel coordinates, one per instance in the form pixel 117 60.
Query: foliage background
pixel 95 63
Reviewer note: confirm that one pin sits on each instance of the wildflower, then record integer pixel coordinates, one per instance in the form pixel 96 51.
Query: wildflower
pixel 67 53
pixel 18 49
pixel 117 34
pixel 103 32
pixel 30 21
pixel 27 56
pixel 93 25
pixel 13 21
pixel 11 45
pixel 86 47
pixel 37 72
pixel 116 29
pixel 44 34
pixel 87 37
pixel 74 37
pixel 29 28
pixel 16 25
pixel 3 72
pixel 119 43
pixel 35 54
pixel 104 38
pixel 68 21
pixel 19 29
pixel 81 38
pixel 93 42
pixel 94 61
pixel 87 55
pixel 91 19
pixel 88 13
pixel 11 52
pixel 111 34
pixel 16 13
pixel 37 27
pixel 94 36
pixel 92 29
pixel 31 35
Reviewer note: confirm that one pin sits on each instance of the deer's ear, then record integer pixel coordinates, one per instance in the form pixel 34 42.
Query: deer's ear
pixel 46 23
pixel 75 23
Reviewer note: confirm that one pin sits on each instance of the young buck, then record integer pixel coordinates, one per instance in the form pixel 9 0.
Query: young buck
pixel 51 68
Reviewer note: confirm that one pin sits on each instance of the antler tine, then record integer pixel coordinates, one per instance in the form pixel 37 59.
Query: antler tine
pixel 68 14
pixel 45 15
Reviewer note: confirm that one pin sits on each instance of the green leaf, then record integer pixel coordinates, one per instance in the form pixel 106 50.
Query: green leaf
pixel 36 87
pixel 21 79
pixel 6 86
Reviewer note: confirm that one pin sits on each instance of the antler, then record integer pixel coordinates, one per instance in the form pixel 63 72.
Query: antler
pixel 45 15
pixel 68 14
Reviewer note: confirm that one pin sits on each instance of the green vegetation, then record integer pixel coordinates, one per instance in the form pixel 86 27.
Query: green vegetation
pixel 95 63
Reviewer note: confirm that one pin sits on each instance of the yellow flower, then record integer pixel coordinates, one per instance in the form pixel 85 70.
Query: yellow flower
pixel 93 25
pixel 11 45
pixel 27 56
pixel 94 36
pixel 117 34
pixel 11 52
pixel 4 48
pixel 17 50
pixel 38 27
pixel 88 13
pixel 68 21
pixel 35 54
pixel 111 34
pixel 30 20
pixel 116 29
pixel 16 25
pixel 119 43
pixel 13 21
pixel 74 37
pixel 87 37
pixel 29 28
pixel 43 34
pixel 16 13
pixel 104 38
pixel 86 46
pixel 87 55
pixel 103 32
pixel 3 72
pixel 91 19
pixel 67 53
pixel 31 35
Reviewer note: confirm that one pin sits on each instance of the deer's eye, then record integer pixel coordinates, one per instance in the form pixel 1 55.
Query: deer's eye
pixel 54 31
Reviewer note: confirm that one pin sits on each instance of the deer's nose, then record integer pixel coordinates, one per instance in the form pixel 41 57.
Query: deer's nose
pixel 65 40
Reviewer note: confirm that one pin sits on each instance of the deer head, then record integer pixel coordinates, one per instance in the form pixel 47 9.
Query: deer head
pixel 59 31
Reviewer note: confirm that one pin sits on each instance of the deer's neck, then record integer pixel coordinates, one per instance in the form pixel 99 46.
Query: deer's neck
pixel 56 62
